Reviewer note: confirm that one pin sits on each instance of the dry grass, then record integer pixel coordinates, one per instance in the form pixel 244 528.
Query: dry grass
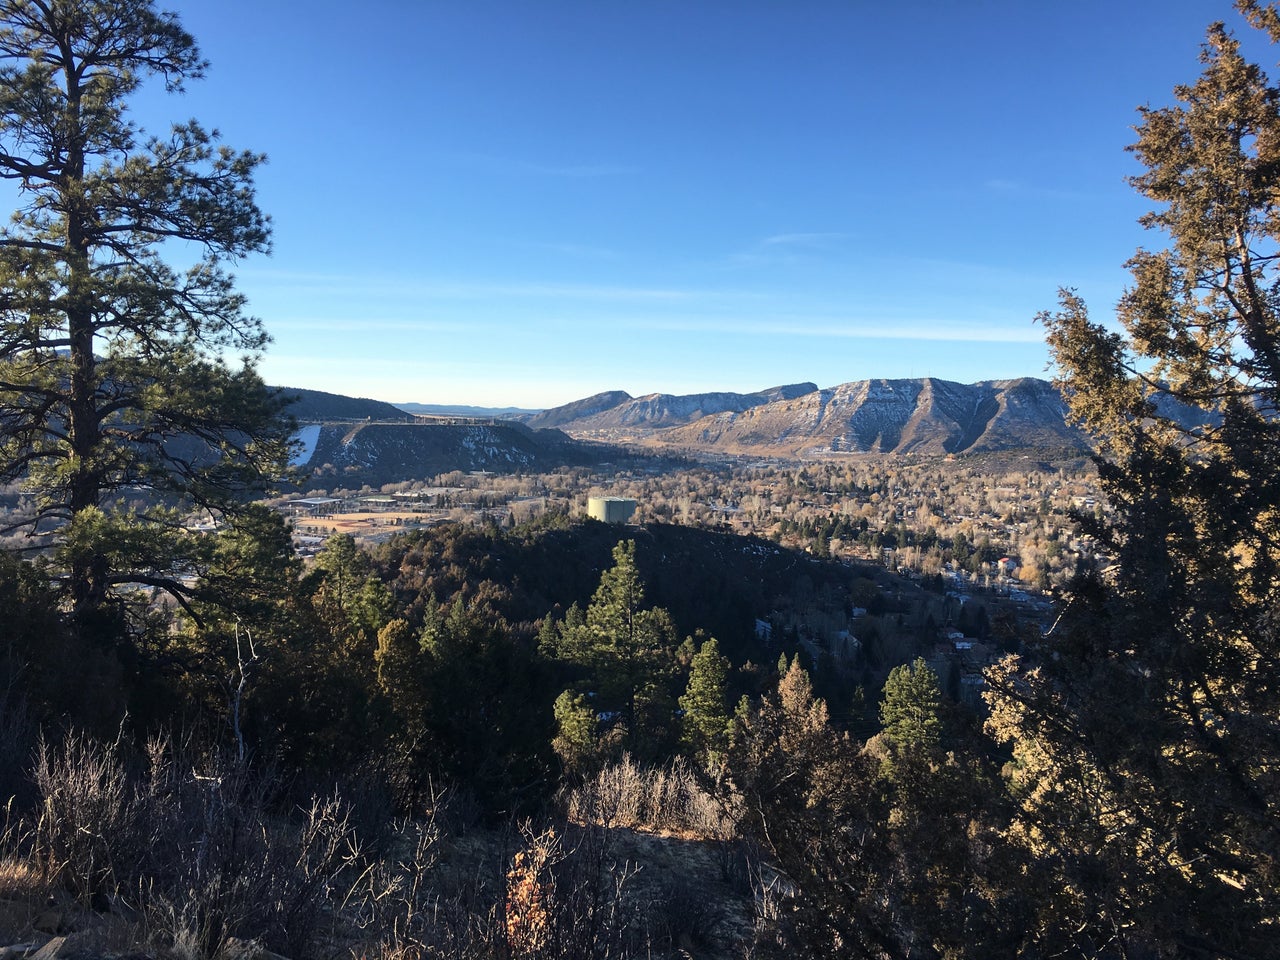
pixel 175 856
pixel 672 800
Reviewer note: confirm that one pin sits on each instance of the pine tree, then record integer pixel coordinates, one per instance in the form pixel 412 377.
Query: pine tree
pixel 397 660
pixel 628 650
pixel 1144 728
pixel 112 377
pixel 333 698
pixel 236 647
pixel 704 705
pixel 911 709
pixel 353 603
pixel 942 823
pixel 483 708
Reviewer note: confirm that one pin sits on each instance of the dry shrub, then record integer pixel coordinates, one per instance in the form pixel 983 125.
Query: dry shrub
pixel 670 798
pixel 557 896
pixel 87 824
pixel 224 866
pixel 20 881
pixel 190 847
pixel 198 853
pixel 568 902
pixel 738 863
pixel 393 900
pixel 531 895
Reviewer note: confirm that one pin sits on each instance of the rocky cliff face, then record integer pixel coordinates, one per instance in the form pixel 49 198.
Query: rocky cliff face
pixel 657 410
pixel 579 410
pixel 924 416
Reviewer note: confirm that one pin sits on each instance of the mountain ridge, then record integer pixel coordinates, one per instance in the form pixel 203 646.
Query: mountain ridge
pixel 617 409
pixel 924 415
pixel 464 410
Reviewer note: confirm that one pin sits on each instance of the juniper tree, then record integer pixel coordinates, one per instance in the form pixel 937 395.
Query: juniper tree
pixel 1146 726
pixel 575 741
pixel 117 402
pixel 807 794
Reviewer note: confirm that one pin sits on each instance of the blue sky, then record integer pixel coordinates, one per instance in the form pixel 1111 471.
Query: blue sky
pixel 530 201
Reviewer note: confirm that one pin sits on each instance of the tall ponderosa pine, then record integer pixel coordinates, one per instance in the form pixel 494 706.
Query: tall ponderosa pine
pixel 112 370
pixel 1146 727
pixel 627 649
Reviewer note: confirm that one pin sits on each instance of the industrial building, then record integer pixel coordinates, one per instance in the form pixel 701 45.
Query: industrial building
pixel 610 509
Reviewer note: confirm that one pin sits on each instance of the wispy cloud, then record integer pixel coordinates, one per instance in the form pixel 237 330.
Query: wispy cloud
pixel 836 328
pixel 346 325
pixel 803 239
pixel 384 288
pixel 300 366
pixel 782 248
pixel 575 291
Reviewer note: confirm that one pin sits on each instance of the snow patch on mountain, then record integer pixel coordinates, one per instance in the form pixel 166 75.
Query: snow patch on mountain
pixel 305 441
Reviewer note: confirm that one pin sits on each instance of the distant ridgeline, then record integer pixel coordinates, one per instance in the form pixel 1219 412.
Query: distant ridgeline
pixel 377 442
pixel 920 416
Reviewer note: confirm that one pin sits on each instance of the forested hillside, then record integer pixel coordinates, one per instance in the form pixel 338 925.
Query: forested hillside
pixel 224 737
pixel 316 406
pixel 351 455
